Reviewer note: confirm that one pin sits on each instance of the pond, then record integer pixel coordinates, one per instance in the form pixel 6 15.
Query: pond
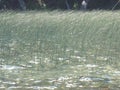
pixel 59 50
pixel 61 69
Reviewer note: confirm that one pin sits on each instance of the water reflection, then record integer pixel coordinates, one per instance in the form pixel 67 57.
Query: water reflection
pixel 10 67
pixel 31 68
pixel 71 76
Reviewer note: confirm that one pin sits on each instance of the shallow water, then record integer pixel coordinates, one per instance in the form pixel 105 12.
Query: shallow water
pixel 51 66
pixel 67 76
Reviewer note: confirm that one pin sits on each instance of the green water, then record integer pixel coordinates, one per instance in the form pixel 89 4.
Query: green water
pixel 58 52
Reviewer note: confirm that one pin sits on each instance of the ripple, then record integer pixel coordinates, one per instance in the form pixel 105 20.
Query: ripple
pixel 93 79
pixel 10 67
pixel 91 65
